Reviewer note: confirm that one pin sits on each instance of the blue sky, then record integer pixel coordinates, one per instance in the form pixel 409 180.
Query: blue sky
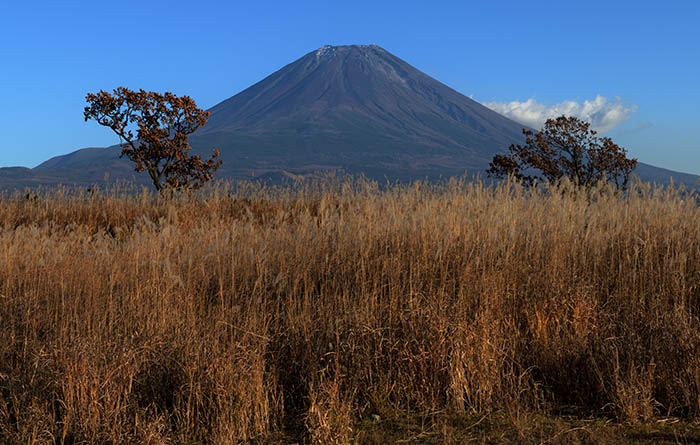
pixel 631 66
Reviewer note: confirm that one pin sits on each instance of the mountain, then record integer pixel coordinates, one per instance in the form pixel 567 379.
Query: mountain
pixel 357 108
pixel 361 108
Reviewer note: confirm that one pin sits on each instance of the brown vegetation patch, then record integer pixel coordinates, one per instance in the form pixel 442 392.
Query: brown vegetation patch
pixel 335 312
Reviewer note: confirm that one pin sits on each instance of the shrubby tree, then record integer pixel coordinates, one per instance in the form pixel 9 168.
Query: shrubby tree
pixel 160 146
pixel 565 147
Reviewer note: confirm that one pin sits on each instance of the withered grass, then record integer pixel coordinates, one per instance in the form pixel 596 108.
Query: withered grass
pixel 245 314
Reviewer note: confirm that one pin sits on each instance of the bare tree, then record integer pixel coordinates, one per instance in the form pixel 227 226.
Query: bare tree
pixel 161 146
pixel 566 147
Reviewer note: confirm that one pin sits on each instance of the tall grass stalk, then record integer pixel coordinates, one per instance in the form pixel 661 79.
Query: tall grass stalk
pixel 244 311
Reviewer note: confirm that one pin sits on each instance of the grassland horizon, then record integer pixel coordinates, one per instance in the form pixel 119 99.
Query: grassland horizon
pixel 310 313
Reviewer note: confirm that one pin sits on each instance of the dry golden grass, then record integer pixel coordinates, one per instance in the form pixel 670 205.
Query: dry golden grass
pixel 310 311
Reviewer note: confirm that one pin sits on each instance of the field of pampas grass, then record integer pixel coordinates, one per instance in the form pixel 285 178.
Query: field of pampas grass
pixel 325 312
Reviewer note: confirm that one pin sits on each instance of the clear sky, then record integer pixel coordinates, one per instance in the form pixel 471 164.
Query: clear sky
pixel 633 67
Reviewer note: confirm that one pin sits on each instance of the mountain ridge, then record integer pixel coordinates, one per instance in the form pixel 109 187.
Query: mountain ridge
pixel 357 108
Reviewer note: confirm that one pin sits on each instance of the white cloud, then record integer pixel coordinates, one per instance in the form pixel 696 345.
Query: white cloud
pixel 603 115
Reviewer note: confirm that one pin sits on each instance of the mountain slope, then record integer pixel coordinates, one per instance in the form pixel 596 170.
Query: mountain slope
pixel 360 108
pixel 356 108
